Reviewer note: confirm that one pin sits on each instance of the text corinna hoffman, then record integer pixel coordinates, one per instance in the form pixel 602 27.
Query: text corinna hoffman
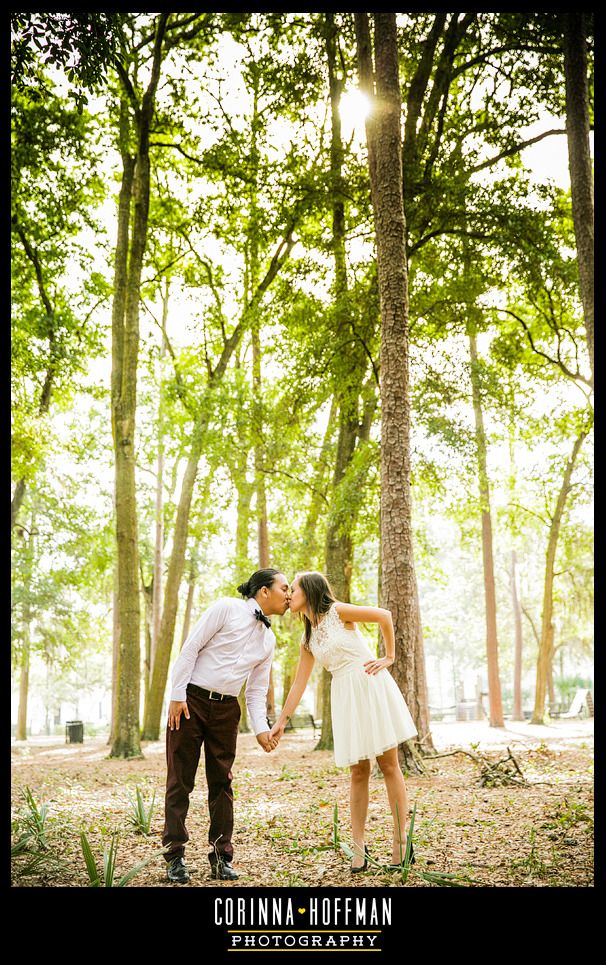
pixel 304 914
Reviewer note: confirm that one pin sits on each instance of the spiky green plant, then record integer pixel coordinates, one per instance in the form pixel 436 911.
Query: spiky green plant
pixel 35 819
pixel 141 818
pixel 104 878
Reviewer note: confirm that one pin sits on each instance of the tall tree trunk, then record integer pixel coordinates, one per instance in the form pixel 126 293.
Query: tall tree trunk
pixel 148 595
pixel 115 654
pixel 125 349
pixel 579 160
pixel 21 731
pixel 340 524
pixel 191 586
pixel 517 713
pixel 159 522
pixel 490 602
pixel 545 657
pixel 398 579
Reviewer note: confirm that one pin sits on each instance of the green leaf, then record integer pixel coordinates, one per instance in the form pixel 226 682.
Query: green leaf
pixel 89 860
pixel 124 880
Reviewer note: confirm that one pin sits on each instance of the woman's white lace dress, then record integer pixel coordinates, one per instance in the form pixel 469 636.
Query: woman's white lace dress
pixel 369 713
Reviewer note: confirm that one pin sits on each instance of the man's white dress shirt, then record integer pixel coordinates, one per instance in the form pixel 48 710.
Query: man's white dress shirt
pixel 228 646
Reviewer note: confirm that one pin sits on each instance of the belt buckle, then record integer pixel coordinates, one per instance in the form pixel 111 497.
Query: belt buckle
pixel 210 695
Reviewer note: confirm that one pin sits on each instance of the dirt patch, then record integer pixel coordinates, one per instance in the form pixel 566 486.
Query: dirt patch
pixel 539 835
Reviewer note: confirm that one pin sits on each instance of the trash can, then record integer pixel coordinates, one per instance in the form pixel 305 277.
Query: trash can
pixel 74 732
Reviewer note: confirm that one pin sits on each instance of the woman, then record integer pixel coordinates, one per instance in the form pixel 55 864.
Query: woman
pixel 369 714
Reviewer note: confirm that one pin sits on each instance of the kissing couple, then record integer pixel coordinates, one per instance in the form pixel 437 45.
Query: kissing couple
pixel 233 643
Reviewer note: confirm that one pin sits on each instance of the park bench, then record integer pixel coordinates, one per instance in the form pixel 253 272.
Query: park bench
pixel 581 706
pixel 299 720
pixel 441 713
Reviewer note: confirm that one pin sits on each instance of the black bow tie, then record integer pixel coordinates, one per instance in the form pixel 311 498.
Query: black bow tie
pixel 261 616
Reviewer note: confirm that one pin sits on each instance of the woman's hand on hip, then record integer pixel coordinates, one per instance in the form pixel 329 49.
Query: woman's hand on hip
pixel 373 666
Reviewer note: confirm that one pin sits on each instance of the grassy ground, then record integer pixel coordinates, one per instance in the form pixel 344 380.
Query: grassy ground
pixel 538 835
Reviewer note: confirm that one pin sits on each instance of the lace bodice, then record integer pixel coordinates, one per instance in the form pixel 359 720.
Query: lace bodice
pixel 334 646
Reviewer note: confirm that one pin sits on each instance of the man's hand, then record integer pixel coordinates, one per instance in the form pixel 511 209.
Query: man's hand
pixel 277 732
pixel 266 741
pixel 175 709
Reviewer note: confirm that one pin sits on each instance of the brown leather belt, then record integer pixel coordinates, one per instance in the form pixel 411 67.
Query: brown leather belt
pixel 211 694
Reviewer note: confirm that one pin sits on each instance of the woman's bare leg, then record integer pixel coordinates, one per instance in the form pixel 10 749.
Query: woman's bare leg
pixel 396 793
pixel 358 802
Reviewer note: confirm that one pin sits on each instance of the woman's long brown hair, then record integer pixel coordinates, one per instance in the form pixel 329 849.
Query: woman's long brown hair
pixel 319 595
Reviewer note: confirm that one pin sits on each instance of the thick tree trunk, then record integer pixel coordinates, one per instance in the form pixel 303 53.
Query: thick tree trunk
pixel 115 654
pixel 545 657
pixel 517 712
pixel 579 160
pixel 341 523
pixel 125 342
pixel 398 579
pixel 492 645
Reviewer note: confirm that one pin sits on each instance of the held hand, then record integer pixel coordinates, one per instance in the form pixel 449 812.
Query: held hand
pixel 266 741
pixel 373 666
pixel 277 732
pixel 175 709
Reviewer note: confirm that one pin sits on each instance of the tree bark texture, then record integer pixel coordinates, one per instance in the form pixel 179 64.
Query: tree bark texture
pixel 579 160
pixel 398 579
pixel 125 348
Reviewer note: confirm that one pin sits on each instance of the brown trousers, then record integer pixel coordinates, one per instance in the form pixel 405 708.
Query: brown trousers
pixel 214 724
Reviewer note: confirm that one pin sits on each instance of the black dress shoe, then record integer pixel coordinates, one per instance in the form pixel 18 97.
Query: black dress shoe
pixel 363 867
pixel 394 867
pixel 177 871
pixel 224 871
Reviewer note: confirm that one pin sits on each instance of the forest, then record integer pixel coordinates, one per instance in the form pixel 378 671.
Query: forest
pixel 301 290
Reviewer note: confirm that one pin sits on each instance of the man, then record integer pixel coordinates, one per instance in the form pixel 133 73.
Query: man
pixel 230 644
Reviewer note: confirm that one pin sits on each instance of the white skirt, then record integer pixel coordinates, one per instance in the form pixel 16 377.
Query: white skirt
pixel 369 714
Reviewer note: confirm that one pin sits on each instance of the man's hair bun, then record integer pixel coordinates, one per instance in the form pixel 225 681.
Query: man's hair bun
pixel 257 580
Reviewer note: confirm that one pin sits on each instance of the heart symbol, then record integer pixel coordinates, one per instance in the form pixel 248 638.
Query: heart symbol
pixel 301 911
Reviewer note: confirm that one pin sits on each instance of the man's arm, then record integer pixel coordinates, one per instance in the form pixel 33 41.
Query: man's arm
pixel 206 627
pixel 257 686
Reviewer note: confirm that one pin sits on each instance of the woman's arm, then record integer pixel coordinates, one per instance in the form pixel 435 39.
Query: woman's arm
pixel 304 669
pixel 372 614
